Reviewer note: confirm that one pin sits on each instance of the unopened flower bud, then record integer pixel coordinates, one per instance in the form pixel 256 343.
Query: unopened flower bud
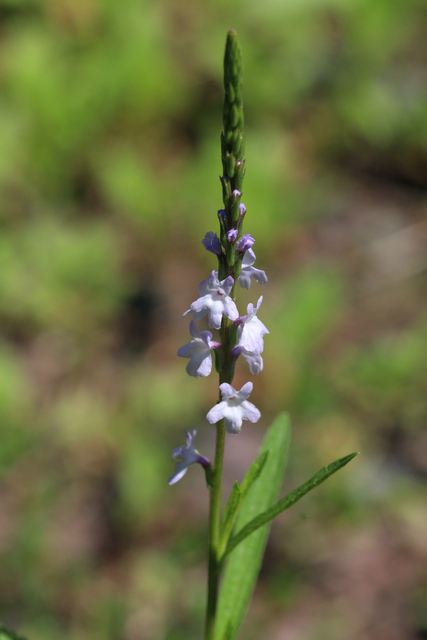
pixel 232 235
pixel 246 242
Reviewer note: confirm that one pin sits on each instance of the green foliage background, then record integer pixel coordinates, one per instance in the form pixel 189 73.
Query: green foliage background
pixel 109 160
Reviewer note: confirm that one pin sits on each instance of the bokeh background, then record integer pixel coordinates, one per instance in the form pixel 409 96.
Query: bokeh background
pixel 110 116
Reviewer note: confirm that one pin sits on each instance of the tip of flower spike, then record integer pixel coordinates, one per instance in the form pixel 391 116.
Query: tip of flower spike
pixel 232 32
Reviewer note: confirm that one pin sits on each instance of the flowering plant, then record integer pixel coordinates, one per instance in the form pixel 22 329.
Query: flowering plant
pixel 237 537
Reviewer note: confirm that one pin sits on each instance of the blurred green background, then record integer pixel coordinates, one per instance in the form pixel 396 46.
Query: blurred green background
pixel 109 161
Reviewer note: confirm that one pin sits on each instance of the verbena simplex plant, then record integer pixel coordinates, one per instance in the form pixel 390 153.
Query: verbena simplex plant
pixel 239 534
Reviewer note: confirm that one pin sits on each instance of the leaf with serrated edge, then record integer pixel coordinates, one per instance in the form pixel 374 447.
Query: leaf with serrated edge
pixel 243 566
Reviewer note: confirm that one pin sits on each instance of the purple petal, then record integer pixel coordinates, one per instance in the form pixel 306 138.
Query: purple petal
pixel 200 367
pixel 216 413
pixel 177 476
pixel 226 390
pixel 227 284
pixel 233 420
pixel 215 316
pixel 250 412
pixel 246 243
pixel 254 361
pixel 248 259
pixel 259 276
pixel 189 436
pixel 245 280
pixel 186 351
pixel 230 309
pixel 193 330
pixel 200 304
pixel 232 235
pixel 205 367
pixel 211 243
pixel 246 390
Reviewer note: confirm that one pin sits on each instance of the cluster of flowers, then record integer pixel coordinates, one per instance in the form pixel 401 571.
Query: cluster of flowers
pixel 215 301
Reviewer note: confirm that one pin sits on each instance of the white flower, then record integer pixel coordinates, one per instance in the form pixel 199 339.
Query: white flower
pixel 251 330
pixel 234 407
pixel 215 301
pixel 199 352
pixel 254 361
pixel 249 271
pixel 186 456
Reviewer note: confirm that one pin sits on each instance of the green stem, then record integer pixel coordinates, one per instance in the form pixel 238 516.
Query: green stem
pixel 214 528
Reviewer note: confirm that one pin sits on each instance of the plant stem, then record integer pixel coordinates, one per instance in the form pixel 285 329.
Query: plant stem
pixel 214 528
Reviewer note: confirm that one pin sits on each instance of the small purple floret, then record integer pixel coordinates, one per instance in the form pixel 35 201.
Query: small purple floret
pixel 249 271
pixel 242 209
pixel 211 243
pixel 246 242
pixel 232 235
pixel 222 215
pixel 236 194
pixel 186 456
pixel 198 351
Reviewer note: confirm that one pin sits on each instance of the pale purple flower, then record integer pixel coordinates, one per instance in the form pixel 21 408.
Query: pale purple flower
pixel 186 456
pixel 250 343
pixel 254 360
pixel 249 271
pixel 236 194
pixel 214 301
pixel 199 352
pixel 246 242
pixel 232 235
pixel 234 407
pixel 242 209
pixel 251 330
pixel 211 243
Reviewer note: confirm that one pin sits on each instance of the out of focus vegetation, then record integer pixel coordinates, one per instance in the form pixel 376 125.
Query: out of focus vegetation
pixel 109 162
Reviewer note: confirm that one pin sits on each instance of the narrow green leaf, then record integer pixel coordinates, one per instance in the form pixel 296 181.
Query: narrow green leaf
pixel 228 635
pixel 230 515
pixel 253 473
pixel 242 567
pixel 236 498
pixel 287 501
